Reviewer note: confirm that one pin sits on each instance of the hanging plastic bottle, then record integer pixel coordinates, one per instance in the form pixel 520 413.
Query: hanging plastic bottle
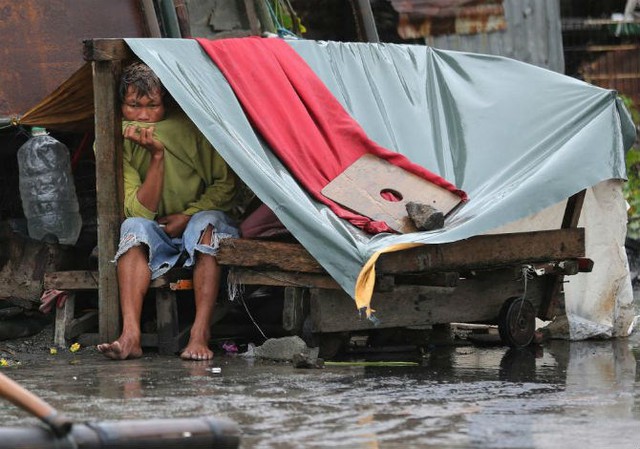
pixel 47 191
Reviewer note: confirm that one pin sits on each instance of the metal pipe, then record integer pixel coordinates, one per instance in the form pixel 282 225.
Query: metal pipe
pixel 181 433
pixel 5 122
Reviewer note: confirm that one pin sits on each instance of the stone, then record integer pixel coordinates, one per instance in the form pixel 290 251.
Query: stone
pixel 283 349
pixel 424 216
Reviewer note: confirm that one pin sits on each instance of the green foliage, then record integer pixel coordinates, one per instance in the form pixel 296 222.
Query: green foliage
pixel 632 186
pixel 286 21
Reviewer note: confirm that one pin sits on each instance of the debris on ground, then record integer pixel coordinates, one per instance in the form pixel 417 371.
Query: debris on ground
pixel 307 362
pixel 282 349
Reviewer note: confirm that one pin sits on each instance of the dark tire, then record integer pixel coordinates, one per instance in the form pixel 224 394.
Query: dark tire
pixel 517 322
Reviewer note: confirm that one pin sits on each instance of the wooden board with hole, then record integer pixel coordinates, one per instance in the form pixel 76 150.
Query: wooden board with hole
pixel 360 188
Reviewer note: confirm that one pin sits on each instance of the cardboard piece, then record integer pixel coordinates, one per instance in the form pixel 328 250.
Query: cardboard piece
pixel 359 188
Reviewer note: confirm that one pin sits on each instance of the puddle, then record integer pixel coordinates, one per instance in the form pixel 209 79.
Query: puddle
pixel 565 395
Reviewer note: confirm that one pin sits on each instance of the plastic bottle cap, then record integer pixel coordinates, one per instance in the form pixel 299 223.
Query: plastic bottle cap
pixel 38 131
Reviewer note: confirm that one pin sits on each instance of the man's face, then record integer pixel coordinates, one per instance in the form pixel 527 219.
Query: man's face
pixel 148 109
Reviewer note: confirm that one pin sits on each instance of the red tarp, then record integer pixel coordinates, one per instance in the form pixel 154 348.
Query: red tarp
pixel 300 119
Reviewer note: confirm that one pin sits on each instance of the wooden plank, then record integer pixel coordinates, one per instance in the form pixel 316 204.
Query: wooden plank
pixel 473 300
pixel 109 189
pixel 487 251
pixel 89 280
pixel 71 280
pixel 267 255
pixel 106 50
pixel 281 278
pixel 475 252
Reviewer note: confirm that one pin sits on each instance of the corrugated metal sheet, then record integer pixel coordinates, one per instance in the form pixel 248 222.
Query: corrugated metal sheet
pixel 604 52
pixel 42 43
pixel 421 18
pixel 533 35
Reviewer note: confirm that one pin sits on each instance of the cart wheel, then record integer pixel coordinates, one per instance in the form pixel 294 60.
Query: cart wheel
pixel 517 322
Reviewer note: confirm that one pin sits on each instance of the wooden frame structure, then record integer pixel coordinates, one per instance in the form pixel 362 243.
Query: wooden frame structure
pixel 271 263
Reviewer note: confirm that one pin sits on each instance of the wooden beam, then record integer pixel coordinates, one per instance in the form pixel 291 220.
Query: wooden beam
pixel 281 278
pixel 71 280
pixel 473 300
pixel 267 255
pixel 106 50
pixel 473 253
pixel 89 280
pixel 109 185
pixel 572 210
pixel 486 251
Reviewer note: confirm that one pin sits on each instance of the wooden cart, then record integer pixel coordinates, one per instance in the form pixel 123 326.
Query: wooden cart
pixel 507 279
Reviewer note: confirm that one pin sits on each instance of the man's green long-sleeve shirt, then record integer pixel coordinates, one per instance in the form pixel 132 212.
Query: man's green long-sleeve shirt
pixel 196 178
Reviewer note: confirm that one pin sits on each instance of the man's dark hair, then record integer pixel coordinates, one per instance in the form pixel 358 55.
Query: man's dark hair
pixel 142 78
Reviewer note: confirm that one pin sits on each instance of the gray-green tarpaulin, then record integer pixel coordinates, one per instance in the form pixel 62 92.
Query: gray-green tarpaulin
pixel 515 137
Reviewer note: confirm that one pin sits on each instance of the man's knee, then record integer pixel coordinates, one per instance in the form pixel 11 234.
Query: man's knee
pixel 134 233
pixel 207 236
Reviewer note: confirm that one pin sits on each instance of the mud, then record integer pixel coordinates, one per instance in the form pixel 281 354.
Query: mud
pixel 562 395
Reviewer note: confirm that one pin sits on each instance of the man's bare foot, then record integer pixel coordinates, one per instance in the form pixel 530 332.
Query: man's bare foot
pixel 197 350
pixel 121 349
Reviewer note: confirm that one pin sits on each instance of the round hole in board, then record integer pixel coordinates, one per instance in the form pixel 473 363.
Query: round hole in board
pixel 391 195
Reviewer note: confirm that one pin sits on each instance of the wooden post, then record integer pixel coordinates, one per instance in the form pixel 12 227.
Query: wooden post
pixel 295 309
pixel 106 56
pixel 365 22
pixel 554 299
pixel 167 315
pixel 64 317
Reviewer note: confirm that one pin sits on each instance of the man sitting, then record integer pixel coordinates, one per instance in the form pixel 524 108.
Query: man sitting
pixel 178 191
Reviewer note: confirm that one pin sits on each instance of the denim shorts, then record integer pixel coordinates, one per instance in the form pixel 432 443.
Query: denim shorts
pixel 166 252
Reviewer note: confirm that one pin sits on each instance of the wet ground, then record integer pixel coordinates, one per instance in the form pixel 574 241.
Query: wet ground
pixel 561 395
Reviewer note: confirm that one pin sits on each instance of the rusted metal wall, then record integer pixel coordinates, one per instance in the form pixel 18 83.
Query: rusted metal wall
pixel 421 18
pixel 533 34
pixel 42 43
pixel 604 52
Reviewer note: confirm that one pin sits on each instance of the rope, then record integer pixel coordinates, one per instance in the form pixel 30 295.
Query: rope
pixel 236 290
pixel 251 317
pixel 282 31
pixel 527 272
